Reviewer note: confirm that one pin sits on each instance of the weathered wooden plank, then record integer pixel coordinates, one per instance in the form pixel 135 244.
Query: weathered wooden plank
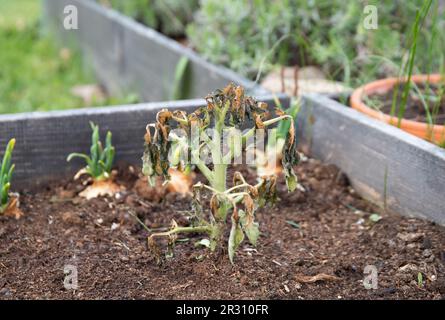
pixel 44 139
pixel 384 164
pixel 129 57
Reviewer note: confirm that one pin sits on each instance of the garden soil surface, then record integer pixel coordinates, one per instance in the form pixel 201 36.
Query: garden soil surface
pixel 327 229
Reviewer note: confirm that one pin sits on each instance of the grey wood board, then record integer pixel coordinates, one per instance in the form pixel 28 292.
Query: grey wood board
pixel 384 164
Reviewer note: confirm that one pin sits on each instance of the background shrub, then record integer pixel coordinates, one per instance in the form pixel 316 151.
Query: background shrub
pixel 329 33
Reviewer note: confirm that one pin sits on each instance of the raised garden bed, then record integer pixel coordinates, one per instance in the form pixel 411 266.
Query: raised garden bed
pixel 325 229
pixel 328 229
pixel 130 57
pixel 392 168
pixel 388 167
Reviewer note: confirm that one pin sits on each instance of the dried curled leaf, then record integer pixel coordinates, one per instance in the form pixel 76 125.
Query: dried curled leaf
pixel 279 112
pixel 235 238
pixel 171 236
pixel 253 191
pixel 259 122
pixel 214 205
pixel 180 115
pixel 238 178
pixel 163 116
pixel 251 228
pixel 249 205
pixel 154 249
pixel 200 117
pixel 235 214
pixel 218 206
pixel 267 190
pixel 171 241
pixel 196 205
pixel 247 216
pixel 290 158
pixel 240 106
pixel 157 147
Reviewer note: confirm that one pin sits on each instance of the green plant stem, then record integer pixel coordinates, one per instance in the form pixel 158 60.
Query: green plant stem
pixel 220 168
pixel 251 132
pixel 275 120
pixel 237 187
pixel 220 176
pixel 204 169
pixel 420 16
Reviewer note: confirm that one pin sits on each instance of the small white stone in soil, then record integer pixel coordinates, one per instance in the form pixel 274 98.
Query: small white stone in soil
pixel 114 226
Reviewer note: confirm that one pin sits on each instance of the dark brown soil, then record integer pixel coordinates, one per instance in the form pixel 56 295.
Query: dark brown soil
pixel 334 235
pixel 415 108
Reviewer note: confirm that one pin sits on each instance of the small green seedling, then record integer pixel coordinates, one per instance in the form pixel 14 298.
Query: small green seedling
pixel 100 161
pixel 294 224
pixel 8 201
pixel 98 166
pixel 375 217
pixel 226 112
pixel 420 280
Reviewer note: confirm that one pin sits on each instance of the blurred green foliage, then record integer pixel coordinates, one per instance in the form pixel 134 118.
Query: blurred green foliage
pixel 167 16
pixel 36 75
pixel 246 36
pixel 328 33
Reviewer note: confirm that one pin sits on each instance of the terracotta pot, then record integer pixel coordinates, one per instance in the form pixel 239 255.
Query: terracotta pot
pixel 422 130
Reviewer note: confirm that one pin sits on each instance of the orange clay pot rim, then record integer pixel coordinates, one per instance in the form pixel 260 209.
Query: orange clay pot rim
pixel 385 85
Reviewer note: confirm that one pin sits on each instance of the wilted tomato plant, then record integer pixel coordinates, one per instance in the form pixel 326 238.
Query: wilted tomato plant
pixel 210 139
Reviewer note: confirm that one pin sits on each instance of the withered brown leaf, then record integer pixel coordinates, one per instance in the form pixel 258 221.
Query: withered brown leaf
pixel 290 158
pixel 267 192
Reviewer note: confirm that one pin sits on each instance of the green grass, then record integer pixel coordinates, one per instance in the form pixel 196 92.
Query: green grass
pixel 34 75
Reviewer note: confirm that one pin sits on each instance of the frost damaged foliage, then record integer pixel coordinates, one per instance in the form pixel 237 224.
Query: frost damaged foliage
pixel 157 147
pixel 290 159
pixel 177 140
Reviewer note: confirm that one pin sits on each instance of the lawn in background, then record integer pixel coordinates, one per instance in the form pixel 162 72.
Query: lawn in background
pixel 36 74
